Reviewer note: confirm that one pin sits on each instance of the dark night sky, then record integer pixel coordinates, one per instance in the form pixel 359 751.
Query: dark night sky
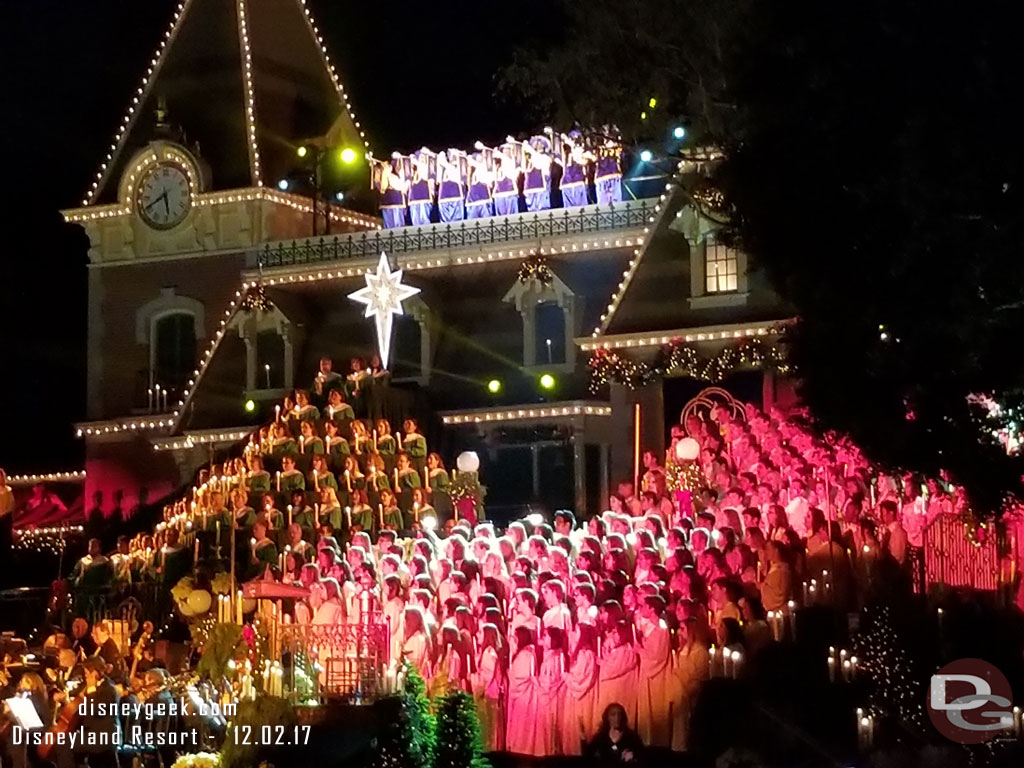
pixel 68 70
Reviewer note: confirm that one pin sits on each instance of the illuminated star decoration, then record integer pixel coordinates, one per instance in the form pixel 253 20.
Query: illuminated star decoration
pixel 383 297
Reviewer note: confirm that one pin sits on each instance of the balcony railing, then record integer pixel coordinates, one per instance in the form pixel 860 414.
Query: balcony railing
pixel 563 222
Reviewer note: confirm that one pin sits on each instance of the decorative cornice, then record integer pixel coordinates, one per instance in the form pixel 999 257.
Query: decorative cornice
pixel 708 333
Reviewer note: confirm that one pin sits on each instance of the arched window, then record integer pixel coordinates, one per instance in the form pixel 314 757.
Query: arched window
pixel 173 349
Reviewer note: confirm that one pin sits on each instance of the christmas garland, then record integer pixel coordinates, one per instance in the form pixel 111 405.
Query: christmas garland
pixel 465 485
pixel 675 358
pixel 256 300
pixel 535 267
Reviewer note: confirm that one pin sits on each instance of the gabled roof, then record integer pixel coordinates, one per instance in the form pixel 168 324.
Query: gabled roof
pixel 245 80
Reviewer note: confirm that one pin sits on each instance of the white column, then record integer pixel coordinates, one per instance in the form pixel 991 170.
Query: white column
pixel 579 447
pixel 568 316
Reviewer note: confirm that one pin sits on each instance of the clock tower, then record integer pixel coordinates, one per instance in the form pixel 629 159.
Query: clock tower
pixel 171 214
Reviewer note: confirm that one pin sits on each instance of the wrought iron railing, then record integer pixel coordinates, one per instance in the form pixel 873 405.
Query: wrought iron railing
pixel 351 658
pixel 564 222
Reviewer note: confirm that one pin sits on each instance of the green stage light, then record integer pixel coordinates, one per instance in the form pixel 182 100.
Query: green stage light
pixel 302 151
pixel 494 386
pixel 547 381
pixel 348 155
pixel 250 406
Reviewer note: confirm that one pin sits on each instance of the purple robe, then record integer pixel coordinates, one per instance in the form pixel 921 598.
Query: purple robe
pixel 392 208
pixel 535 190
pixel 478 202
pixel 608 180
pixel 420 203
pixel 450 202
pixel 506 197
pixel 574 185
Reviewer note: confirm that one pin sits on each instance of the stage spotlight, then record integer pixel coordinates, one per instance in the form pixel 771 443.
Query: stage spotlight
pixel 348 155
pixel 302 151
pixel 339 196
pixel 547 381
pixel 535 519
pixel 428 522
pixel 283 185
pixel 494 386
pixel 646 156
pixel 679 132
pixel 250 406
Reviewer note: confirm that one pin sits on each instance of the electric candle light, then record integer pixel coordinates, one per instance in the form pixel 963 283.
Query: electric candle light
pixel 348 481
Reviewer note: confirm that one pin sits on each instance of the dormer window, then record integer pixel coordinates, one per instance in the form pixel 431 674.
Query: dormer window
pixel 721 268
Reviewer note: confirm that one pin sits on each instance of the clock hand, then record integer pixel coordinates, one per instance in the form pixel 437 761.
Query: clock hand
pixel 157 200
pixel 167 205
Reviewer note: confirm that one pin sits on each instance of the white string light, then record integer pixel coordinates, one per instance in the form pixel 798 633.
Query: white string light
pixel 627 276
pixel 250 108
pixel 689 336
pixel 49 477
pixel 137 100
pixel 551 411
pixel 246 194
pixel 311 25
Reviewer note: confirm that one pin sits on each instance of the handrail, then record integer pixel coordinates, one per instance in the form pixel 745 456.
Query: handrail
pixel 462 234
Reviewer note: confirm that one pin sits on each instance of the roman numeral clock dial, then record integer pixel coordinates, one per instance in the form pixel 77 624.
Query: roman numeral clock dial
pixel 164 196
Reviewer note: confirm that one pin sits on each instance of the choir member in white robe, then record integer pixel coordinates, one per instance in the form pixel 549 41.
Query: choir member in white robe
pixel 520 735
pixel 617 679
pixel 579 721
pixel 416 648
pixel 551 693
pixel 557 615
pixel 690 670
pixel 394 610
pixel 489 689
pixel 653 648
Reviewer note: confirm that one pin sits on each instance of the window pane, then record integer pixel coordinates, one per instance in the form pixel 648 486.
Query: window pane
pixel 720 268
pixel 550 326
pixel 175 356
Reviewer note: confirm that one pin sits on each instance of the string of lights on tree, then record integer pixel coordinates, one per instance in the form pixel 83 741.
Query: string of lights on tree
pixel 535 267
pixel 894 691
pixel 674 358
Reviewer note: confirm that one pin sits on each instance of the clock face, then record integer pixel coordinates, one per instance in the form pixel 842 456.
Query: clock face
pixel 164 197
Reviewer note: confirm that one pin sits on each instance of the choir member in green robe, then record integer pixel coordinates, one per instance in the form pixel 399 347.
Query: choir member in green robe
pixel 385 445
pixel 326 381
pixel 310 443
pixel 339 411
pixel 305 410
pixel 355 384
pixel 389 515
pixel 320 476
pixel 289 478
pixel 258 479
pixel 361 443
pixel 378 380
pixel 243 516
pixel 439 485
pixel 263 551
pixel 350 479
pixel 330 510
pixel 301 512
pixel 362 513
pixel 282 441
pixel 406 479
pixel 420 509
pixel 269 514
pixel 415 445
pixel 336 447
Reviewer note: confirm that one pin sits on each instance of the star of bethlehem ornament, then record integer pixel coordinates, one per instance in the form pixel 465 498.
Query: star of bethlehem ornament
pixel 383 297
